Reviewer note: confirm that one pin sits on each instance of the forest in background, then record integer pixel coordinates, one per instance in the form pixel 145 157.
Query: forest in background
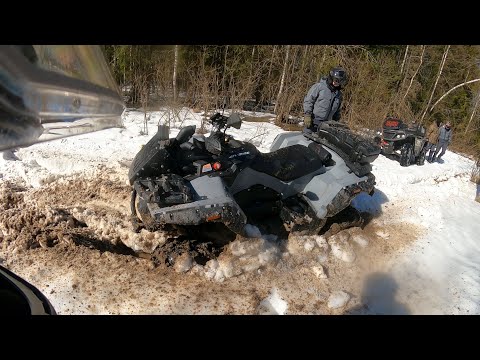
pixel 420 83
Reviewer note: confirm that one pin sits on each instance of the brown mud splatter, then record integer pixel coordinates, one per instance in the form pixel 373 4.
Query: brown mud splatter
pixel 73 239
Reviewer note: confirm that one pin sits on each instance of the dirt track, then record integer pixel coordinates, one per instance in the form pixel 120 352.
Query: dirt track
pixel 73 239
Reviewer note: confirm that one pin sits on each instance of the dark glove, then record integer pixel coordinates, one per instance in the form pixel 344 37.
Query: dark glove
pixel 307 120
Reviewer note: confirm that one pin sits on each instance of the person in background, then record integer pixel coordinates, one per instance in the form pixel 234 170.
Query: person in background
pixel 324 99
pixel 432 136
pixel 444 139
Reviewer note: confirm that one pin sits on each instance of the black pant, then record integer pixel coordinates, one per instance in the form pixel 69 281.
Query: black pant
pixel 442 144
pixel 430 147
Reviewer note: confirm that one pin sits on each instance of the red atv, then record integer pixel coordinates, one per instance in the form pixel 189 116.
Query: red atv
pixel 402 142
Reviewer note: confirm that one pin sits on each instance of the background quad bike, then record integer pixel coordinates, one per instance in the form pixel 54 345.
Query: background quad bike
pixel 402 142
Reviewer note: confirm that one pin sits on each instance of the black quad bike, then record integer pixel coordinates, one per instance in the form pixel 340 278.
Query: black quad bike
pixel 402 142
pixel 306 178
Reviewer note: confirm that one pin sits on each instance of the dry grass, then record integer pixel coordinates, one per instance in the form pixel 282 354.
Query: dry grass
pixel 258 118
pixel 290 127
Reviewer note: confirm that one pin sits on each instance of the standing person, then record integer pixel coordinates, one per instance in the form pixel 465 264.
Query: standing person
pixel 324 99
pixel 444 139
pixel 432 136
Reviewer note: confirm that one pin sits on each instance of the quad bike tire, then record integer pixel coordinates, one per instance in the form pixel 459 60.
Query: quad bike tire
pixel 406 155
pixel 140 217
pixel 420 160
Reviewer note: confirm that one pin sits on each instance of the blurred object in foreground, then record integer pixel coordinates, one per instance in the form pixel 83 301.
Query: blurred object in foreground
pixel 53 91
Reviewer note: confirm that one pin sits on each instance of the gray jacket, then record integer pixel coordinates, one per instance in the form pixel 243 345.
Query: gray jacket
pixel 444 135
pixel 322 102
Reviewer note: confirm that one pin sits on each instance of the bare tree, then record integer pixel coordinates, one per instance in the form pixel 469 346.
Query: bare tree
pixel 444 58
pixel 141 82
pixel 416 72
pixel 174 79
pixel 383 80
pixel 449 91
pixel 282 80
pixel 474 111
pixel 325 48
pixel 404 58
pixel 271 61
pixel 203 82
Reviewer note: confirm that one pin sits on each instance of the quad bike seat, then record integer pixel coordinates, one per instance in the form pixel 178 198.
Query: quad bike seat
pixel 288 163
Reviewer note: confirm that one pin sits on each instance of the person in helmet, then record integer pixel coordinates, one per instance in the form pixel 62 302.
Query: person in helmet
pixel 324 99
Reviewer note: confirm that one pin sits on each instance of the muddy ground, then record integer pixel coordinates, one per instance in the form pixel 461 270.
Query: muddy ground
pixel 73 239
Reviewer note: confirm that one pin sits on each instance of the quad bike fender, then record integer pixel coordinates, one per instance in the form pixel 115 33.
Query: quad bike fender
pixel 287 139
pixel 212 203
pixel 332 190
pixel 328 194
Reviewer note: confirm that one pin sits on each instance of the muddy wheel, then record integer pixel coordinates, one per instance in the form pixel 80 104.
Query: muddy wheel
pixel 139 210
pixel 217 233
pixel 406 154
pixel 345 219
pixel 141 218
pixel 311 228
pixel 421 158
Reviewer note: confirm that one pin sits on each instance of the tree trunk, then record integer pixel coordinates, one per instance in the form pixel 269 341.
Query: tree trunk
pixel 282 80
pixel 174 80
pixel 114 56
pixel 223 84
pixel 323 60
pixel 305 52
pixel 444 58
pixel 404 58
pixel 252 65
pixel 253 57
pixel 474 111
pixel 415 73
pixel 449 91
pixel 271 62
